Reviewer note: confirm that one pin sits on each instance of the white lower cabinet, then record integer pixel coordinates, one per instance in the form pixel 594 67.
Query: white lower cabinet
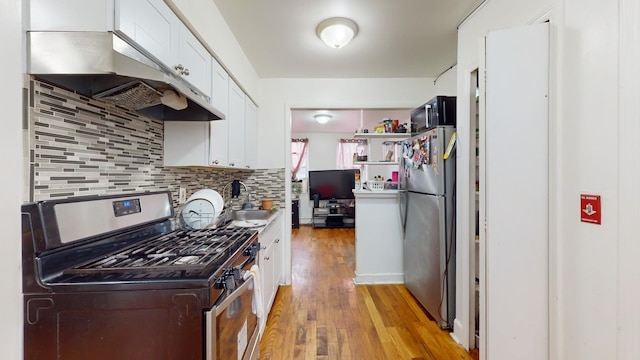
pixel 270 263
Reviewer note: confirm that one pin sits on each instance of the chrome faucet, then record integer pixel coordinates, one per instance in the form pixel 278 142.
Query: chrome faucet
pixel 234 193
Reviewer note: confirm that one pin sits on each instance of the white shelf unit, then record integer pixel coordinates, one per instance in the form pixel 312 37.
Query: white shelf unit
pixel 381 135
pixel 376 163
pixel 379 139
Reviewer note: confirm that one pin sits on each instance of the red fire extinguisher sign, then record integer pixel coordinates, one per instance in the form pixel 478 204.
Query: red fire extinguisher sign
pixel 590 210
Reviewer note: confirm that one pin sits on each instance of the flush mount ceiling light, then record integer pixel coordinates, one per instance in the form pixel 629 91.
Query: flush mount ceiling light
pixel 337 32
pixel 322 118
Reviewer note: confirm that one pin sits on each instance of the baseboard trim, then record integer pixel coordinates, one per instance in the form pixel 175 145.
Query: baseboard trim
pixel 458 334
pixel 367 279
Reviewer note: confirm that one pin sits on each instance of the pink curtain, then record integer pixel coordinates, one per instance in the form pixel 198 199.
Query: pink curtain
pixel 298 155
pixel 346 149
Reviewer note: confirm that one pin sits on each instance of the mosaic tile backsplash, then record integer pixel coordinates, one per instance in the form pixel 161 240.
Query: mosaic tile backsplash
pixel 80 146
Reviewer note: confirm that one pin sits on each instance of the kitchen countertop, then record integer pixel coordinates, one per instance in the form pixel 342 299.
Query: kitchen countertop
pixel 269 220
pixel 376 194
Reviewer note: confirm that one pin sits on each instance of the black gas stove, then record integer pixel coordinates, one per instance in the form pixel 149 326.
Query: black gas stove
pixel 94 260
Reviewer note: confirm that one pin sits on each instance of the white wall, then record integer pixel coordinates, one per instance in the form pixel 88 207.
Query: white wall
pixel 446 84
pixel 594 127
pixel 629 178
pixel 322 152
pixel 493 15
pixel 589 119
pixel 11 179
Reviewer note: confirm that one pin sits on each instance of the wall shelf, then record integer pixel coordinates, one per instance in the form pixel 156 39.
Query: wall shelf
pixel 380 135
pixel 376 163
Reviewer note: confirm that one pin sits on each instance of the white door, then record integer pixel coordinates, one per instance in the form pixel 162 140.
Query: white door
pixel 516 195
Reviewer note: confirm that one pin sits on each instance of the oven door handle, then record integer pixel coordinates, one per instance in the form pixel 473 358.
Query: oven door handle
pixel 234 295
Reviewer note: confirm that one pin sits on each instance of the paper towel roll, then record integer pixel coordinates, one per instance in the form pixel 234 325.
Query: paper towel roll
pixel 173 100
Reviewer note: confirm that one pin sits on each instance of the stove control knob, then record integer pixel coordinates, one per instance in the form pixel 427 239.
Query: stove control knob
pixel 229 282
pixel 252 250
pixel 235 272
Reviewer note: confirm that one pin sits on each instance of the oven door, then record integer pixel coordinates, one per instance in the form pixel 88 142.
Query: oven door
pixel 232 326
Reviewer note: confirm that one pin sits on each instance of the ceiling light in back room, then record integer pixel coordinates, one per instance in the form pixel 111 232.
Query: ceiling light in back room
pixel 337 32
pixel 322 118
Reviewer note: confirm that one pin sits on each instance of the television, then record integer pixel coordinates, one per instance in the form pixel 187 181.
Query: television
pixel 332 184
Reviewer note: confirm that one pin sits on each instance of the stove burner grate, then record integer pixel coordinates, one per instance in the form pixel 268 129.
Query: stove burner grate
pixel 179 250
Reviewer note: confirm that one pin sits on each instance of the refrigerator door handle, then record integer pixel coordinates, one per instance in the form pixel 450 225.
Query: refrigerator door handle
pixel 402 205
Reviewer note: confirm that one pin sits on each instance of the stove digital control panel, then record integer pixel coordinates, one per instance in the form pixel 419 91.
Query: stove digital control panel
pixel 126 207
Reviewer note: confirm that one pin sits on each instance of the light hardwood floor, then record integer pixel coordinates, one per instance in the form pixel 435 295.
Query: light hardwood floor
pixel 323 315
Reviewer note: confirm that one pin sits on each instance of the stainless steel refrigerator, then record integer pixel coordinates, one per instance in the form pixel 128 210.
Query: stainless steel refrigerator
pixel 427 208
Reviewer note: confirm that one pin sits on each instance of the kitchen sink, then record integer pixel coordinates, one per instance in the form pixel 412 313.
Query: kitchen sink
pixel 252 214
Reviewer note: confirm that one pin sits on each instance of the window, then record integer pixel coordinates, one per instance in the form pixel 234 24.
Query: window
pixel 347 148
pixel 299 159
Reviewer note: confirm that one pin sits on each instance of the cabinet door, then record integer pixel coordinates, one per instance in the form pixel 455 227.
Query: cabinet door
pixel 152 26
pixel 219 128
pixel 277 264
pixel 267 269
pixel 219 143
pixel 219 87
pixel 235 118
pixel 186 143
pixel 196 61
pixel 251 133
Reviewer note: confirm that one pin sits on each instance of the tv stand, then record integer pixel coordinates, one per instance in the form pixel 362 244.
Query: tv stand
pixel 334 215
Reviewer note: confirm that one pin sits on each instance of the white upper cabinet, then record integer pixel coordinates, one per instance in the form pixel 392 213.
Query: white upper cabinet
pixel 195 62
pixel 220 128
pixel 251 133
pixel 219 149
pixel 219 87
pixel 152 25
pixel 70 15
pixel 186 143
pixel 236 120
pixel 154 28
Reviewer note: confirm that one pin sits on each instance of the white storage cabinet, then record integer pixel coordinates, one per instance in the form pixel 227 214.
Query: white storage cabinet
pixel 236 122
pixel 270 263
pixel 153 26
pixel 220 128
pixel 250 133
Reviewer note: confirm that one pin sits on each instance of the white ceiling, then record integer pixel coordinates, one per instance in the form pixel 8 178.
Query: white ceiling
pixel 396 39
pixel 344 120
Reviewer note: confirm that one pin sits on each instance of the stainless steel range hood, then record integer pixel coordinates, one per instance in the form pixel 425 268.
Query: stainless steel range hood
pixel 103 66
